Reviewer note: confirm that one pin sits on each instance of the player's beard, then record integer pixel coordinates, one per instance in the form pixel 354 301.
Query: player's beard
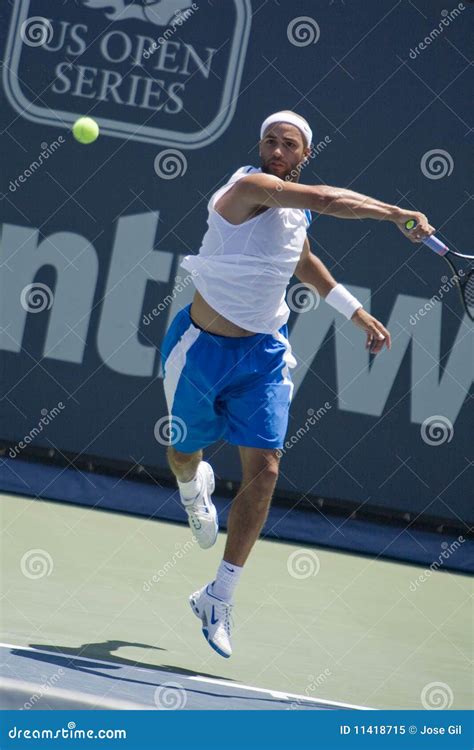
pixel 281 172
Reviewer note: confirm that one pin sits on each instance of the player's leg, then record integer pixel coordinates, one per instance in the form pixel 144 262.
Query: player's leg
pixel 183 465
pixel 250 507
pixel 213 603
pixel 195 479
pixel 247 516
pixel 257 418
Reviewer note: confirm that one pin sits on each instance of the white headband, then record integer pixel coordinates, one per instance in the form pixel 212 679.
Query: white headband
pixel 293 120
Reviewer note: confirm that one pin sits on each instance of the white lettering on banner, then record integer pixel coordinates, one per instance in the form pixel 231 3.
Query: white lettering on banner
pixel 365 390
pixel 106 59
pixel 134 262
pixel 75 262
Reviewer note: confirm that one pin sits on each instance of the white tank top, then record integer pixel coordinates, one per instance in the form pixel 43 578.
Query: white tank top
pixel 243 270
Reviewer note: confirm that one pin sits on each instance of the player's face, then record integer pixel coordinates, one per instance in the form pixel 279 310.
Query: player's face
pixel 282 150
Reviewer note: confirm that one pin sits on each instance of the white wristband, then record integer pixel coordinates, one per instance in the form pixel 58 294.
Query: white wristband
pixel 343 301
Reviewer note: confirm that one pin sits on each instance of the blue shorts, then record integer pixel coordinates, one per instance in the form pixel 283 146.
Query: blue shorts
pixel 238 389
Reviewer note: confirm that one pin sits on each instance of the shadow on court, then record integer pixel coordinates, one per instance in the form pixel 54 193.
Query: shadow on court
pixel 55 680
pixel 103 652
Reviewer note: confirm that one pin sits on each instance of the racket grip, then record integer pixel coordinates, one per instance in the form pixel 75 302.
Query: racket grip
pixel 435 244
pixel 432 242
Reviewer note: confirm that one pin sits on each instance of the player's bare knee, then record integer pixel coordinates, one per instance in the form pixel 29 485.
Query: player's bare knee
pixel 262 483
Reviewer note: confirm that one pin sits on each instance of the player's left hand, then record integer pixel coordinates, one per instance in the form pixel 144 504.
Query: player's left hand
pixel 377 334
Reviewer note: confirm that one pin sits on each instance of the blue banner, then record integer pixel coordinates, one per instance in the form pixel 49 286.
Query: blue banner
pixel 92 236
pixel 178 730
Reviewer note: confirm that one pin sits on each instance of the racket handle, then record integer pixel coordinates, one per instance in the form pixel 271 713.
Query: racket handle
pixel 432 242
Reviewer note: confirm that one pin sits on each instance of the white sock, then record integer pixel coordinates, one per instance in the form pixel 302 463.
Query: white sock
pixel 192 489
pixel 227 578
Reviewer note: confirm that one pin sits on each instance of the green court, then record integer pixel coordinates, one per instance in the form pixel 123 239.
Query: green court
pixel 327 625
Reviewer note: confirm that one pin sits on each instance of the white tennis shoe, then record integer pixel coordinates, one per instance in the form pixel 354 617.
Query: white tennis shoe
pixel 202 513
pixel 215 615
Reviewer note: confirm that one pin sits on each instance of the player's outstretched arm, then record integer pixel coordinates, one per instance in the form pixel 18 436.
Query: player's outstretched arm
pixel 264 190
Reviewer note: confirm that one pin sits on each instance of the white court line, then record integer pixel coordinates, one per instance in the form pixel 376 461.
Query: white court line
pixel 226 683
pixel 279 694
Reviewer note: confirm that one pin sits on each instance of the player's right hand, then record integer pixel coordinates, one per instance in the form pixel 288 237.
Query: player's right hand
pixel 422 229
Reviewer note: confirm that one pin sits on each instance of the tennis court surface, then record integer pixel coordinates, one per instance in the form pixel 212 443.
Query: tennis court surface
pixel 95 615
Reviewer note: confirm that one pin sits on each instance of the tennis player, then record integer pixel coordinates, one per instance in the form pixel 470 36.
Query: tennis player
pixel 226 357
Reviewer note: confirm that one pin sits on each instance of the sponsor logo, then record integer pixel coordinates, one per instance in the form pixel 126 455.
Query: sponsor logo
pixel 146 71
pixel 66 313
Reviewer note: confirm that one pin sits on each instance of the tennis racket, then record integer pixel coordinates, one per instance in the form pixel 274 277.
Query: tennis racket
pixel 464 277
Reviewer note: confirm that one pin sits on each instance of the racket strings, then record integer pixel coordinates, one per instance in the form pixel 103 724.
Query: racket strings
pixel 469 290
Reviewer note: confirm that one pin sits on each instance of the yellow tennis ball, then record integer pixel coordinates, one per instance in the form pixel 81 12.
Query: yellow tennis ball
pixel 85 130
